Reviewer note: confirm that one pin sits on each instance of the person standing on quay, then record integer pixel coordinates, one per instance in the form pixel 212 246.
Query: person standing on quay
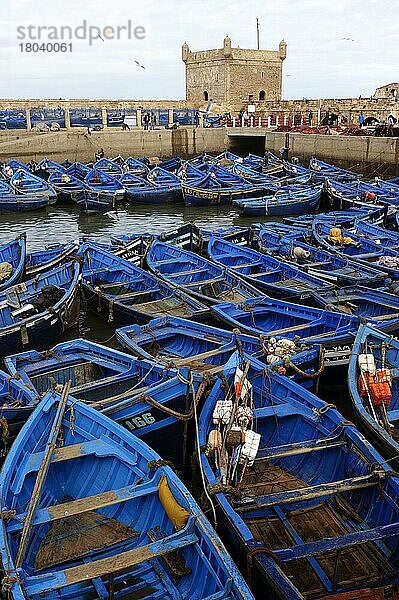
pixel 146 120
pixel 310 118
pixel 361 119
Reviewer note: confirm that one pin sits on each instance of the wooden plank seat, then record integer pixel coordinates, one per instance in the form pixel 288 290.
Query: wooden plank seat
pixel 192 272
pixel 321 263
pixel 297 448
pixel 246 265
pixel 263 273
pixel 82 505
pixel 117 283
pixel 138 293
pixel 311 492
pixel 298 328
pixel 98 446
pixel 204 355
pixel 293 283
pixel 337 543
pixel 113 564
pixel 203 282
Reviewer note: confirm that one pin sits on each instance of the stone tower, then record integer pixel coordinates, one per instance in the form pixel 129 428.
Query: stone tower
pixel 233 76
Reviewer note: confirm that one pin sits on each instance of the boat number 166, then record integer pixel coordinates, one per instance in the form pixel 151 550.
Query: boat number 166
pixel 140 421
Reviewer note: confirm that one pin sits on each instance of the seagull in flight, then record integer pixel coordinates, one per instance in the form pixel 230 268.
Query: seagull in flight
pixel 139 65
pixel 347 39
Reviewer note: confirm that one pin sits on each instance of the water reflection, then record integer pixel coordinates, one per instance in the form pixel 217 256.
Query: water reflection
pixel 61 223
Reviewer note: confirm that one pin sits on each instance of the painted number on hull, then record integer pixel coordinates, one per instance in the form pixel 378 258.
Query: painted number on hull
pixel 139 421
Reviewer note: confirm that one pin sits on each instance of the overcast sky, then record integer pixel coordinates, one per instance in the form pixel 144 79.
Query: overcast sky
pixel 320 62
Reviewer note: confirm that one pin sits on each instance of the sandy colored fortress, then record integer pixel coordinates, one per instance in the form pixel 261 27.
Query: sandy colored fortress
pixel 234 75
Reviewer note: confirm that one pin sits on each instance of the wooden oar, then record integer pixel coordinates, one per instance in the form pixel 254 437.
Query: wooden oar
pixel 41 476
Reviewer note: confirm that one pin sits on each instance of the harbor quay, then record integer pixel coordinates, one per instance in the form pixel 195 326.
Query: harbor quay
pixel 188 141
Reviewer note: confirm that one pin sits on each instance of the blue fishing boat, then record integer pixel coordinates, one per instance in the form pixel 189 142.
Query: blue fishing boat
pixel 139 394
pixel 279 319
pixel 216 187
pixel 96 373
pixel 121 291
pixel 13 202
pixel 158 188
pixel 178 342
pixel 15 407
pixel 285 201
pixel 34 313
pixel 338 239
pixel 24 182
pixel 357 247
pixel 78 170
pixel 265 272
pixel 135 166
pixel 281 229
pixel 346 218
pixel 380 235
pixel 373 387
pixel 343 197
pixel 374 306
pixel 320 262
pixel 108 166
pixel 49 258
pixel 196 275
pixel 375 193
pixel 13 165
pixel 165 180
pixel 46 166
pixel 100 515
pixel 388 186
pixel 12 262
pixel 96 200
pixel 171 164
pixel 322 170
pixel 68 187
pixel 103 182
pixel 306 505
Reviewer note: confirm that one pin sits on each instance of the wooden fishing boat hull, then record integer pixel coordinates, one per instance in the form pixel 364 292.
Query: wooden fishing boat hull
pixel 108 541
pixel 149 399
pixel 13 253
pixel 92 201
pixel 275 206
pixel 178 342
pixel 45 260
pixel 124 293
pixel 197 196
pixel 23 202
pixel 42 329
pixel 197 276
pixel 373 306
pixel 284 522
pixel 386 443
pixel 155 195
pixel 264 272
pixel 277 318
pixel 329 266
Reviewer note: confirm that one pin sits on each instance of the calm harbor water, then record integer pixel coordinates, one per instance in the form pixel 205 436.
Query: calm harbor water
pixel 60 223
